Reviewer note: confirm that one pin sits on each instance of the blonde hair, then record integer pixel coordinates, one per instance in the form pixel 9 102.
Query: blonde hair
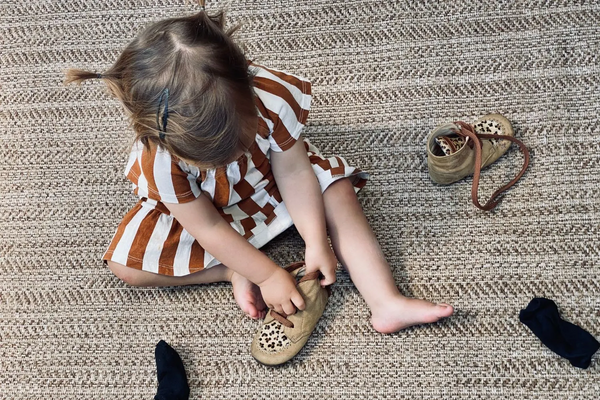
pixel 210 95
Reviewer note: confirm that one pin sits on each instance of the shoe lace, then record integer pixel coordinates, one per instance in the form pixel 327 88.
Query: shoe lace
pixel 315 275
pixel 468 131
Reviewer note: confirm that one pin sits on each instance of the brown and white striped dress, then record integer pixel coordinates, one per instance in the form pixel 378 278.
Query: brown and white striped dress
pixel 244 191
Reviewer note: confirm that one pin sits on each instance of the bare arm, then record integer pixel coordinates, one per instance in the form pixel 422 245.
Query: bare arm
pixel 302 196
pixel 202 220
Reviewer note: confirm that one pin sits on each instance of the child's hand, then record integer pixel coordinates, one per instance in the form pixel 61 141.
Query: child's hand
pixel 321 258
pixel 280 294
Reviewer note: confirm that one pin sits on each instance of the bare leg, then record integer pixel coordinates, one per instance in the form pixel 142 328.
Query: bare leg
pixel 246 294
pixel 357 249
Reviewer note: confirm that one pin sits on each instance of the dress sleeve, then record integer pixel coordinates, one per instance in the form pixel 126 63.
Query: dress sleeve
pixel 156 175
pixel 284 104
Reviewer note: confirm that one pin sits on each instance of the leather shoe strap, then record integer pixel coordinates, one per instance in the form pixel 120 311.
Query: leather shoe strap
pixel 467 130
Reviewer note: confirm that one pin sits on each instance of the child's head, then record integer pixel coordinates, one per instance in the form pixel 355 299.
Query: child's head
pixel 211 114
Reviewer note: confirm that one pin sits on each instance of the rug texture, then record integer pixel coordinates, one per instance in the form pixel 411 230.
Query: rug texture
pixel 384 74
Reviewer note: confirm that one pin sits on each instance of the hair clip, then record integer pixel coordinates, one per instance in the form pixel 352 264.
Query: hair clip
pixel 162 130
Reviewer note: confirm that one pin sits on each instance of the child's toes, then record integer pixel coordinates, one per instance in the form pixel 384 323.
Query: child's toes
pixel 445 310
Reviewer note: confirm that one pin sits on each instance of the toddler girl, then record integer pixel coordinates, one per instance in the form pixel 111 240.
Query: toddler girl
pixel 221 168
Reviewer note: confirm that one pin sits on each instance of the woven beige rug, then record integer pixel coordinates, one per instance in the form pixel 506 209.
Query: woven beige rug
pixel 384 74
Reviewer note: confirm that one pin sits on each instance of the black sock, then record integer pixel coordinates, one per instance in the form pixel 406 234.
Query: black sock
pixel 562 337
pixel 172 381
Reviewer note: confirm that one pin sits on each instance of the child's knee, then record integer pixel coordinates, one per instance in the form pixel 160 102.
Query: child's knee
pixel 341 189
pixel 126 274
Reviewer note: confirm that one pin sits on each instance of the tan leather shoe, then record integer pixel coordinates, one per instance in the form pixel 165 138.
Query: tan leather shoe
pixel 457 150
pixel 281 337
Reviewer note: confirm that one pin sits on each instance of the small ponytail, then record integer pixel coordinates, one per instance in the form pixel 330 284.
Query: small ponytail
pixel 79 75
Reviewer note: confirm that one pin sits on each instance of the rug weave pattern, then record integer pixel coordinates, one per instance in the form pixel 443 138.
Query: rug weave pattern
pixel 384 74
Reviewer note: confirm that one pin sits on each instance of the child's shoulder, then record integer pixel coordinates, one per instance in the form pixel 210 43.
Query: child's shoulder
pixel 269 82
pixel 277 74
pixel 283 104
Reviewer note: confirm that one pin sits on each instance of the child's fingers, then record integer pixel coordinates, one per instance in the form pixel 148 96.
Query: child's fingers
pixel 276 308
pixel 329 278
pixel 289 308
pixel 298 300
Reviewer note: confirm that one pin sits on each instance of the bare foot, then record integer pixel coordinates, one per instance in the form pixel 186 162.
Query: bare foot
pixel 248 296
pixel 403 312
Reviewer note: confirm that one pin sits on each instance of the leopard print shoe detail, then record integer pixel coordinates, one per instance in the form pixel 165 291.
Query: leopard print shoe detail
pixel 491 127
pixel 272 338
